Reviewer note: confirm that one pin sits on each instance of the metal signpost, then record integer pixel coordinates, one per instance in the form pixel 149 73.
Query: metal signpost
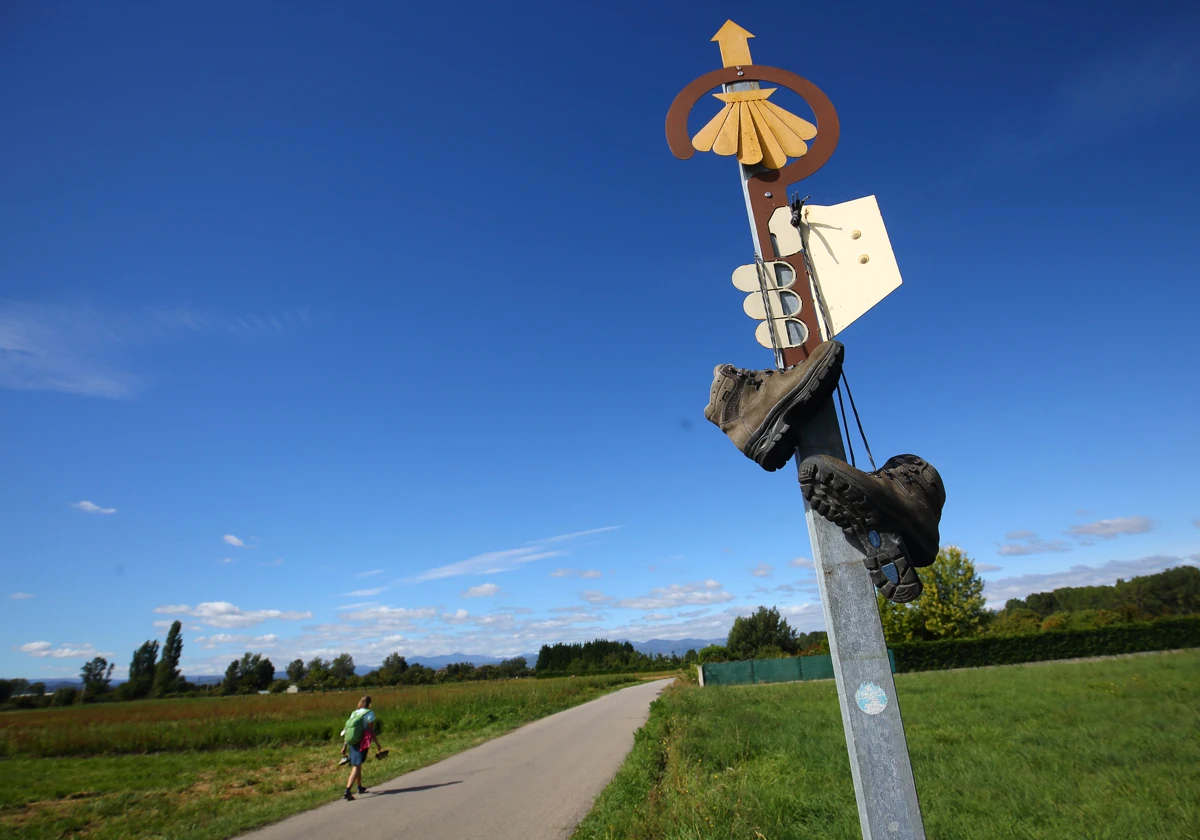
pixel 809 281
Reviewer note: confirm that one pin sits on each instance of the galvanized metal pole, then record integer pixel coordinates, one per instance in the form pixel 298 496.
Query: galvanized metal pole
pixel 888 808
pixel 884 787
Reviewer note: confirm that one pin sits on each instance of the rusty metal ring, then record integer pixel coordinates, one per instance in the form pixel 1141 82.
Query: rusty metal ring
pixel 819 152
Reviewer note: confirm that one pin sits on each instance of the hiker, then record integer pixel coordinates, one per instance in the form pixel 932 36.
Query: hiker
pixel 358 736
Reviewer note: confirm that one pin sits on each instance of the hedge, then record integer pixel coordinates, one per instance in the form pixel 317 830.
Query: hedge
pixel 1164 634
pixel 552 675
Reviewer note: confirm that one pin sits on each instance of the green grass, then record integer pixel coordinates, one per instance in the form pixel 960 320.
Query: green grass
pixel 213 792
pixel 1098 750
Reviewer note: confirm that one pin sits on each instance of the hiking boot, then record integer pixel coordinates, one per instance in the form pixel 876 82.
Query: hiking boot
pixel 892 514
pixel 762 411
pixel 348 796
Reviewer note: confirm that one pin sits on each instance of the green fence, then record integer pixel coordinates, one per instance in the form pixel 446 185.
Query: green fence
pixel 792 669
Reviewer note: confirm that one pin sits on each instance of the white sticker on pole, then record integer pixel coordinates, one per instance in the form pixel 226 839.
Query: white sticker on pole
pixel 851 255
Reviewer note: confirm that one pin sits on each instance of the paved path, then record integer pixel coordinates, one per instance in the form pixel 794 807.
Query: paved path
pixel 535 783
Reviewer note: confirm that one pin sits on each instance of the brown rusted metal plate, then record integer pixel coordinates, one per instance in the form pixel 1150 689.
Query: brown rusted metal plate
pixel 768 189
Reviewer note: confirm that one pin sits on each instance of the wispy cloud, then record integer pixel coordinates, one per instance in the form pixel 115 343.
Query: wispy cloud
pixel 89 507
pixel 363 593
pixel 998 591
pixel 225 615
pixel 20 596
pixel 80 349
pixel 368 574
pixel 575 573
pixel 762 570
pixel 1030 543
pixel 1143 80
pixel 224 560
pixel 1107 529
pixel 802 563
pixel 66 651
pixel 484 590
pixel 987 567
pixel 232 540
pixel 493 562
pixel 677 595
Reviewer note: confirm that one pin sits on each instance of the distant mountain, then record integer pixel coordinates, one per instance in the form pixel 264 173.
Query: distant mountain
pixel 673 647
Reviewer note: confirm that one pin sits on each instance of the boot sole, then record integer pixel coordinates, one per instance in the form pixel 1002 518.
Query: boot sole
pixel 773 444
pixel 887 557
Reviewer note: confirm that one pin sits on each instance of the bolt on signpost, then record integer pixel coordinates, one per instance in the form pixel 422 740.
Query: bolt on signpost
pixel 811 279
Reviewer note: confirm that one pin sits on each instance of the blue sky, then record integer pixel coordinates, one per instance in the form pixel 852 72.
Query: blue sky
pixel 375 329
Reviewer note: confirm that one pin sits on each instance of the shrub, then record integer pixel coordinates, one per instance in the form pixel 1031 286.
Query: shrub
pixel 279 686
pixel 65 696
pixel 1165 634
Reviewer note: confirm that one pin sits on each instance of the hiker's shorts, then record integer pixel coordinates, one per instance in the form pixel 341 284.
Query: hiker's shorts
pixel 356 755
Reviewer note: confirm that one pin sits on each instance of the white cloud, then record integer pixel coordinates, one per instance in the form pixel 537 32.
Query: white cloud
pixel 802 563
pixel 1030 543
pixel 575 573
pixel 89 507
pixel 487 564
pixel 678 595
pixel 1107 529
pixel 390 614
pixel 363 593
pixel 368 574
pixel 578 534
pixel 224 560
pixel 484 590
pixel 270 640
pixel 493 562
pixel 457 617
pixel 1018 586
pixel 78 349
pixel 762 570
pixel 66 651
pixel 232 540
pixel 987 567
pixel 226 615
pixel 20 596
pixel 594 596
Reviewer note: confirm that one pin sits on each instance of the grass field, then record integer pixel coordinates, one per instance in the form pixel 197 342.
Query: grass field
pixel 210 768
pixel 1097 750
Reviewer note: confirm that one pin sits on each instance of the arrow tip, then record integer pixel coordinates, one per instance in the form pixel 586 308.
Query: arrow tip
pixel 730 30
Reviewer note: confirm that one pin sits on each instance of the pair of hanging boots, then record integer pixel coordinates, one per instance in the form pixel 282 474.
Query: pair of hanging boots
pixel 891 514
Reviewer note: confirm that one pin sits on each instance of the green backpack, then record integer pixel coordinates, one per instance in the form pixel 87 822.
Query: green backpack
pixel 355 728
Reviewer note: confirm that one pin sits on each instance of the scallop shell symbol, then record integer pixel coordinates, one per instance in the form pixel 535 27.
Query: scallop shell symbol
pixel 756 130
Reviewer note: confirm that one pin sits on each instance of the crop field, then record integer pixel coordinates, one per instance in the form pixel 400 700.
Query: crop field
pixel 209 768
pixel 1102 750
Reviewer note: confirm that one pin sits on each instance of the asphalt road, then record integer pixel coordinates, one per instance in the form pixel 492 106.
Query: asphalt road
pixel 535 783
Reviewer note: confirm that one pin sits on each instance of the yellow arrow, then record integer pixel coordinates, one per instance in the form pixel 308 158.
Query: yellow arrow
pixel 735 46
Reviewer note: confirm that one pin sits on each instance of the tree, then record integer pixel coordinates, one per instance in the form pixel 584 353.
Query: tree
pixel 141 670
pixel 249 674
pixel 166 672
pixel 6 690
pixel 65 696
pixel 342 666
pixel 296 670
pixel 763 629
pixel 393 668
pixel 951 606
pixel 96 675
pixel 713 653
pixel 37 689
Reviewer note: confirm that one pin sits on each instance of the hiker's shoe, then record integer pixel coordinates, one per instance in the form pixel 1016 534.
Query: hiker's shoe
pixel 892 514
pixel 345 760
pixel 361 790
pixel 381 755
pixel 348 796
pixel 762 411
